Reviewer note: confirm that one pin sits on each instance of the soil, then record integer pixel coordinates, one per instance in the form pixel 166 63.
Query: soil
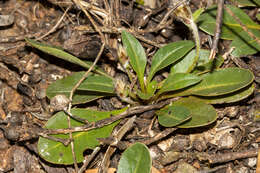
pixel 228 145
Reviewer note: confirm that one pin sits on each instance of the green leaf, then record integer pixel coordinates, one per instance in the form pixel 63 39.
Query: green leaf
pixel 204 64
pixel 186 64
pixel 90 89
pixel 137 56
pixel 202 113
pixel 242 49
pixel 59 53
pixel 173 115
pixel 168 55
pixel 135 159
pixel 258 16
pixel 178 81
pixel 222 81
pixel 151 88
pixel 229 98
pixel 232 30
pixel 197 14
pixel 230 27
pixel 56 152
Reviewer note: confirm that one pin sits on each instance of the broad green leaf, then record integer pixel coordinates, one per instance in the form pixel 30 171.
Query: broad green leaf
pixel 90 89
pixel 56 152
pixel 222 81
pixel 202 113
pixel 229 98
pixel 178 81
pixel 135 159
pixel 137 56
pixel 230 28
pixel 59 53
pixel 151 88
pixel 247 3
pixel 242 49
pixel 197 13
pixel 173 115
pixel 168 55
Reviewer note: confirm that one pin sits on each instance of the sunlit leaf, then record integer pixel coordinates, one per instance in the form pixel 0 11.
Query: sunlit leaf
pixel 168 55
pixel 59 53
pixel 137 56
pixel 56 152
pixel 135 159
pixel 201 113
pixel 173 115
pixel 91 88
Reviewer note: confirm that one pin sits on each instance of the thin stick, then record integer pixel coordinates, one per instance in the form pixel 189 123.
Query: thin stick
pixel 111 149
pixel 218 29
pixel 222 158
pixel 242 25
pixel 159 136
pixel 88 160
pixel 87 73
pixel 55 26
pixel 104 122
pixel 72 143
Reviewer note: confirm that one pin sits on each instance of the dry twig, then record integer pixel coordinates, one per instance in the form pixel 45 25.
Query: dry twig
pixel 218 29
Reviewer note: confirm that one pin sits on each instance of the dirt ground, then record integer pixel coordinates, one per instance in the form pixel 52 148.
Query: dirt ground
pixel 229 145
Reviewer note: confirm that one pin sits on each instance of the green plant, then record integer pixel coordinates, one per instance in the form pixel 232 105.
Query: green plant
pixel 135 158
pixel 194 82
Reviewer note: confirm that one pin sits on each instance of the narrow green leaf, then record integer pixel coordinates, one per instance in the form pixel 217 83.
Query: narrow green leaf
pixel 173 115
pixel 222 81
pixel 59 53
pixel 197 14
pixel 56 152
pixel 135 159
pixel 202 113
pixel 168 55
pixel 178 81
pixel 137 56
pixel 229 98
pixel 91 88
